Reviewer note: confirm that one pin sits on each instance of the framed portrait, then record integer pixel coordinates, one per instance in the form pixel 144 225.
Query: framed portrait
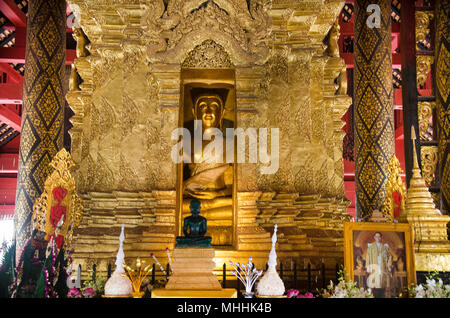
pixel 379 256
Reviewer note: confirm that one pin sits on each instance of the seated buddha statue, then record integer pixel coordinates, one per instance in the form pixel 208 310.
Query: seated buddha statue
pixel 194 229
pixel 210 180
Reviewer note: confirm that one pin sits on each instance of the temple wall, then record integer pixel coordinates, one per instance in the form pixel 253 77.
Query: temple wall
pixel 128 105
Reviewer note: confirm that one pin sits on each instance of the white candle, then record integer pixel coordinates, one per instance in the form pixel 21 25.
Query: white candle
pixel 168 256
pixel 157 262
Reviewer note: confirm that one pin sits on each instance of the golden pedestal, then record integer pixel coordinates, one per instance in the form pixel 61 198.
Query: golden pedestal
pixel 177 293
pixel 193 270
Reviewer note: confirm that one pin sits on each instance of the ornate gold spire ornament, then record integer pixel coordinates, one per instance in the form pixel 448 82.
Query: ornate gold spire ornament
pixel 430 226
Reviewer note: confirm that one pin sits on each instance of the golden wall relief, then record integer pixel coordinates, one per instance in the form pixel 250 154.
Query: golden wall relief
pixel 139 75
pixel 134 93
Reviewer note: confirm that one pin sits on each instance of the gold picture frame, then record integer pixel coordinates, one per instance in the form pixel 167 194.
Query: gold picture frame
pixel 393 250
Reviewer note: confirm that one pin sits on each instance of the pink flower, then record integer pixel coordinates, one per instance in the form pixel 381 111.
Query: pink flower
pixel 305 295
pixel 292 293
pixel 74 293
pixel 89 293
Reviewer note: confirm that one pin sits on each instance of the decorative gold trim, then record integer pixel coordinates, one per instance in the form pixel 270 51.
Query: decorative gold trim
pixel 429 159
pixel 423 67
pixel 423 19
pixel 425 113
pixel 209 54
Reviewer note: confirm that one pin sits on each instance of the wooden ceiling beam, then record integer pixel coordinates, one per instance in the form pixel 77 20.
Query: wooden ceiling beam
pixel 10 118
pixel 12 74
pixel 12 12
pixel 11 93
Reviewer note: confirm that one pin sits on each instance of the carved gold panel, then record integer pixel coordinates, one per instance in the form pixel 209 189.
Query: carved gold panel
pixel 429 160
pixel 423 19
pixel 425 114
pixel 423 67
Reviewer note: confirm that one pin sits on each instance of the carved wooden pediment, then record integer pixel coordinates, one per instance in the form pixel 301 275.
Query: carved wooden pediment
pixel 173 31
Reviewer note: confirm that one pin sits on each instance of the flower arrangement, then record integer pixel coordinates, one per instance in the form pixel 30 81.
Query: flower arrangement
pixel 346 288
pixel 433 288
pixel 89 293
pixel 247 274
pixel 74 293
pixel 97 285
pixel 91 289
pixel 295 293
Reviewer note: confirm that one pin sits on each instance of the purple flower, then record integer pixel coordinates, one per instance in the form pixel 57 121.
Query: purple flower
pixel 89 293
pixel 292 293
pixel 74 293
pixel 305 295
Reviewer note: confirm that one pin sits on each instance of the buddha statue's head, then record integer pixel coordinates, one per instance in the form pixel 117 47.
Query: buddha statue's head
pixel 195 206
pixel 209 109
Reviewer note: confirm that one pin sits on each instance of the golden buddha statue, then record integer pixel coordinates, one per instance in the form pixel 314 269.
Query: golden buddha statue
pixel 210 177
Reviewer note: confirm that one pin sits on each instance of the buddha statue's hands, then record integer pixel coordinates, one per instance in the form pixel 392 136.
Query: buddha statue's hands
pixel 211 194
pixel 206 195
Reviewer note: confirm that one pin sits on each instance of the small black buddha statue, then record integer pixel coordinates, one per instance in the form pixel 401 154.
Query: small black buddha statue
pixel 194 228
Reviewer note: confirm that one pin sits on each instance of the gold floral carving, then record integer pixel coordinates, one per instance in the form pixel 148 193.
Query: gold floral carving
pixel 62 163
pixel 423 19
pixel 393 184
pixel 423 67
pixel 429 160
pixel 425 113
pixel 209 54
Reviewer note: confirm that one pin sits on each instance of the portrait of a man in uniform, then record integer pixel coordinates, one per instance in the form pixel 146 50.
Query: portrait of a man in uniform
pixel 379 266
pixel 379 257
